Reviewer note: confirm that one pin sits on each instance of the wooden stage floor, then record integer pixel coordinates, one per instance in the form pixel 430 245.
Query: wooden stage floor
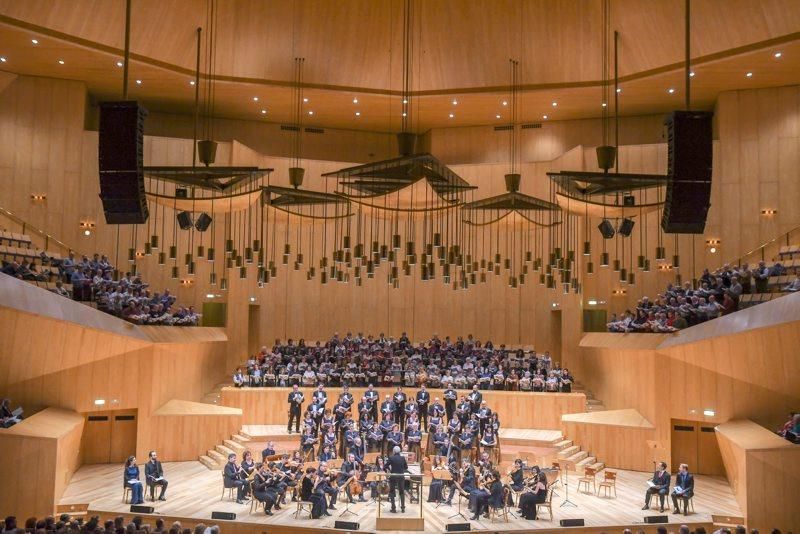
pixel 194 492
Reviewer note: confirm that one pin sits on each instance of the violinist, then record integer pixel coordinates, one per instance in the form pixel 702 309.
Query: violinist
pixel 535 492
pixel 517 475
pixel 261 482
pixel 311 491
pixel 326 484
pixel 489 493
pixel 466 479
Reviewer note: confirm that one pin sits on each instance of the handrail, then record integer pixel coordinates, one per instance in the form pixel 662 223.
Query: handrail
pixel 27 227
pixel 765 244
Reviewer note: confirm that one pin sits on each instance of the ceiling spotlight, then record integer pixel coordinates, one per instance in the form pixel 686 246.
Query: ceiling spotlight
pixel 497 116
pixel 505 103
pixel 749 74
pixel 358 113
pixel 263 111
pixel 671 90
pixel 305 100
pixel 619 89
pixel 120 64
pixel 60 61
pixel 451 115
pixel 35 41
pixel 777 54
pixel 138 82
pixel 310 112
pixel 191 82
pixel 405 101
pixel 604 104
pixel 691 74
pixel 555 104
pixel 355 101
pixel 255 99
pixel 455 102
pixel 544 117
pixel 3 59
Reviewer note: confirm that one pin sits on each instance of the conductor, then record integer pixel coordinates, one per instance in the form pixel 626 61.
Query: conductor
pixel 397 468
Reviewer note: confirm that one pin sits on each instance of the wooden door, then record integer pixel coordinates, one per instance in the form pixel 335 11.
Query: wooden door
pixel 123 437
pixel 695 443
pixel 709 459
pixel 254 340
pixel 109 437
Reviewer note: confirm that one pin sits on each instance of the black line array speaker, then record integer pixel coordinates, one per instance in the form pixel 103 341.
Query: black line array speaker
pixel 228 516
pixel 689 163
pixel 185 220
pixel 346 525
pixel 625 227
pixel 458 527
pixel 656 519
pixel 606 229
pixel 571 522
pixel 120 154
pixel 139 509
pixel 203 222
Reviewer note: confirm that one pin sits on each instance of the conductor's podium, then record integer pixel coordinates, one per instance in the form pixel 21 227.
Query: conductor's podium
pixel 412 518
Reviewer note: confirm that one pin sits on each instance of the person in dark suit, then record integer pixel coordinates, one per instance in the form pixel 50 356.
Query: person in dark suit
pixel 660 486
pixel 230 475
pixel 475 399
pixel 296 400
pixel 268 451
pixel 399 399
pixel 423 399
pixel 154 474
pixel 130 479
pixel 397 466
pixel 684 489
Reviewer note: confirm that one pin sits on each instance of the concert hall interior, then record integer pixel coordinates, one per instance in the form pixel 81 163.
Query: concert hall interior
pixel 399 265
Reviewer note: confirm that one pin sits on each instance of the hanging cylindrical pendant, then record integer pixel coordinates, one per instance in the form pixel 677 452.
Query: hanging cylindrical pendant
pixel 260 261
pixel 604 259
pixel 496 269
pixel 190 269
pixel 396 242
pixel 507 264
pixel 557 252
pixel 551 259
pixel 323 277
pixel 429 249
pixel 162 258
pixel 631 279
pixel 646 265
pixel 228 246
pixel 483 277
pixel 223 284
pixel 248 255
pixel 300 259
pixel 617 265
pixel 211 254
pixel 133 269
pixel 201 251
pixel 346 242
pixel 640 261
pixel 528 256
pixel 623 276
pixel 212 279
pixel 243 272
pixel 409 248
pixel 395 271
pixel 590 267
pixel 154 242
pixel 391 256
pixel 570 256
pixel 676 261
pixel 678 279
pixel 431 270
pixel 587 248
pixel 131 255
pixel 542 279
pixel 358 251
pixel 287 249
pixel 661 253
pixel 522 279
pixel 566 276
pixel 437 240
pixel 550 282
pixel 229 262
pixel 256 245
pixel 239 261
pixel 497 258
pixel 273 271
pixel 348 257
pixel 174 273
pixel 173 252
pixel 296 266
pixel 148 250
pixel 187 258
pixel 384 252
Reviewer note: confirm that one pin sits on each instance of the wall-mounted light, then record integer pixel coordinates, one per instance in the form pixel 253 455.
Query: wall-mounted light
pixel 769 212
pixel 38 197
pixel 210 295
pixel 619 292
pixel 665 267
pixel 592 302
pixel 709 412
pixel 99 402
pixel 713 242
pixel 87 227
pixel 187 281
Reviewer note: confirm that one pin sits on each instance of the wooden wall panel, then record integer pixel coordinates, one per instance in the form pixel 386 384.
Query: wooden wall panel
pixel 182 438
pixel 620 447
pixel 268 406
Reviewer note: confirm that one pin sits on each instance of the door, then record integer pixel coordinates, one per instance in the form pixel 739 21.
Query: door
pixel 109 437
pixel 555 335
pixel 254 340
pixel 695 443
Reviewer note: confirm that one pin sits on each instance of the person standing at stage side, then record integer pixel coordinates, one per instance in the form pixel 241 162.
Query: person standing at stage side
pixel 397 468
pixel 659 484
pixel 154 474
pixel 296 400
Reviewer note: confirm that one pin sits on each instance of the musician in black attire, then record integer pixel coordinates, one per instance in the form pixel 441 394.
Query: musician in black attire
pixel 154 475
pixel 517 476
pixel 399 399
pixel 450 397
pixel 311 491
pixel 529 500
pixel 262 491
pixel 660 486
pixel 423 399
pixel 388 408
pixel 475 399
pixel 296 400
pixel 231 478
pixel 372 397
pixel 397 466
pixel 320 396
pixel 493 497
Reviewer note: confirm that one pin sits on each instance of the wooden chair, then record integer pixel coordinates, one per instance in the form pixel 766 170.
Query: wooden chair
pixel 560 474
pixel 548 504
pixel 502 510
pixel 302 505
pixel 126 494
pixel 608 484
pixel 588 478
pixel 230 490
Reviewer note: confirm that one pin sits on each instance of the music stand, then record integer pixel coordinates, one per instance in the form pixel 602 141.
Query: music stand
pixel 347 505
pixel 374 476
pixel 444 476
pixel 458 498
pixel 567 502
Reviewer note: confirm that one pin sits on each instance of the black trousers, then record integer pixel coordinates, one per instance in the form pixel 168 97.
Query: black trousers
pixel 662 494
pixel 152 484
pixel 397 483
pixel 449 408
pixel 294 415
pixel 676 499
pixel 241 488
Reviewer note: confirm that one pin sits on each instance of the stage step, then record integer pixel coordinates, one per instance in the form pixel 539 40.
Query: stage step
pixel 235 446
pixel 563 444
pixel 593 401
pixel 218 457
pixel 577 457
pixel 222 449
pixel 586 462
pixel 209 462
pixel 598 466
pixel 238 438
pixel 568 451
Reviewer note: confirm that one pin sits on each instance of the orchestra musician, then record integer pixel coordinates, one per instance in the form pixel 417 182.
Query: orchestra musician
pixel 247 467
pixel 423 399
pixel 350 469
pixel 397 466
pixel 326 484
pixel 261 488
pixel 269 450
pixel 534 493
pixel 437 484
pixel 683 490
pixel 295 400
pixel 232 479
pixel 450 397
pixel 311 492
pixel 517 475
pixel 154 474
pixel 465 477
pixel 327 454
pixel 659 484
pixel 490 493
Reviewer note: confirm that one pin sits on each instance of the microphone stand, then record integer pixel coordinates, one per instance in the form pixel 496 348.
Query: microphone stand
pixel 567 502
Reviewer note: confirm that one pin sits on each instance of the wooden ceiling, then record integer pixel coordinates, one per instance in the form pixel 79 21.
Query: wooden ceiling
pixel 353 51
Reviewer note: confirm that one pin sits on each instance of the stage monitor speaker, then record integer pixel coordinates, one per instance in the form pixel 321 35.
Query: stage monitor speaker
pixel 181 192
pixel 203 222
pixel 458 527
pixel 185 220
pixel 689 165
pixel 686 207
pixel 120 150
pixel 228 516
pixel 628 201
pixel 139 509
pixel 625 227
pixel 571 522
pixel 606 228
pixel 346 525
pixel 656 519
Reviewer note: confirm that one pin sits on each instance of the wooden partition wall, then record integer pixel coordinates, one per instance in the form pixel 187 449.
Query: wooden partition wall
pixel 269 406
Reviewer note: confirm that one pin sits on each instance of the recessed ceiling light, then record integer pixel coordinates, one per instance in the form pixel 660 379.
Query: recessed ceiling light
pixel 60 61
pixel 405 101
pixel 497 116
pixel 619 89
pixel 35 41
pixel 120 63
pixel 255 99
pixel 451 115
pixel 3 59
pixel 505 103
pixel 455 102
pixel 310 112
pixel 404 114
pixel 355 101
pixel 358 113
pixel 544 117
pixel 555 104
pixel 138 82
pixel 191 82
pixel 777 54
pixel 263 111
pixel 305 100
pixel 691 74
pixel 671 90
pixel 604 104
pixel 749 74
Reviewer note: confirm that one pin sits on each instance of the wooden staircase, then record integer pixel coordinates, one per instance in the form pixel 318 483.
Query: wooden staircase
pixel 217 457
pixel 592 404
pixel 213 396
pixel 573 458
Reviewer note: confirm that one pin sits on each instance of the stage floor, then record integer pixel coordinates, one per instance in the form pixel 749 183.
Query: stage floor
pixel 194 492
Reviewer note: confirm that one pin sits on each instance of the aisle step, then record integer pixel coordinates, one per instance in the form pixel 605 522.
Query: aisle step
pixel 568 451
pixel 209 462
pixel 235 446
pixel 240 439
pixel 222 449
pixel 563 444
pixel 218 457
